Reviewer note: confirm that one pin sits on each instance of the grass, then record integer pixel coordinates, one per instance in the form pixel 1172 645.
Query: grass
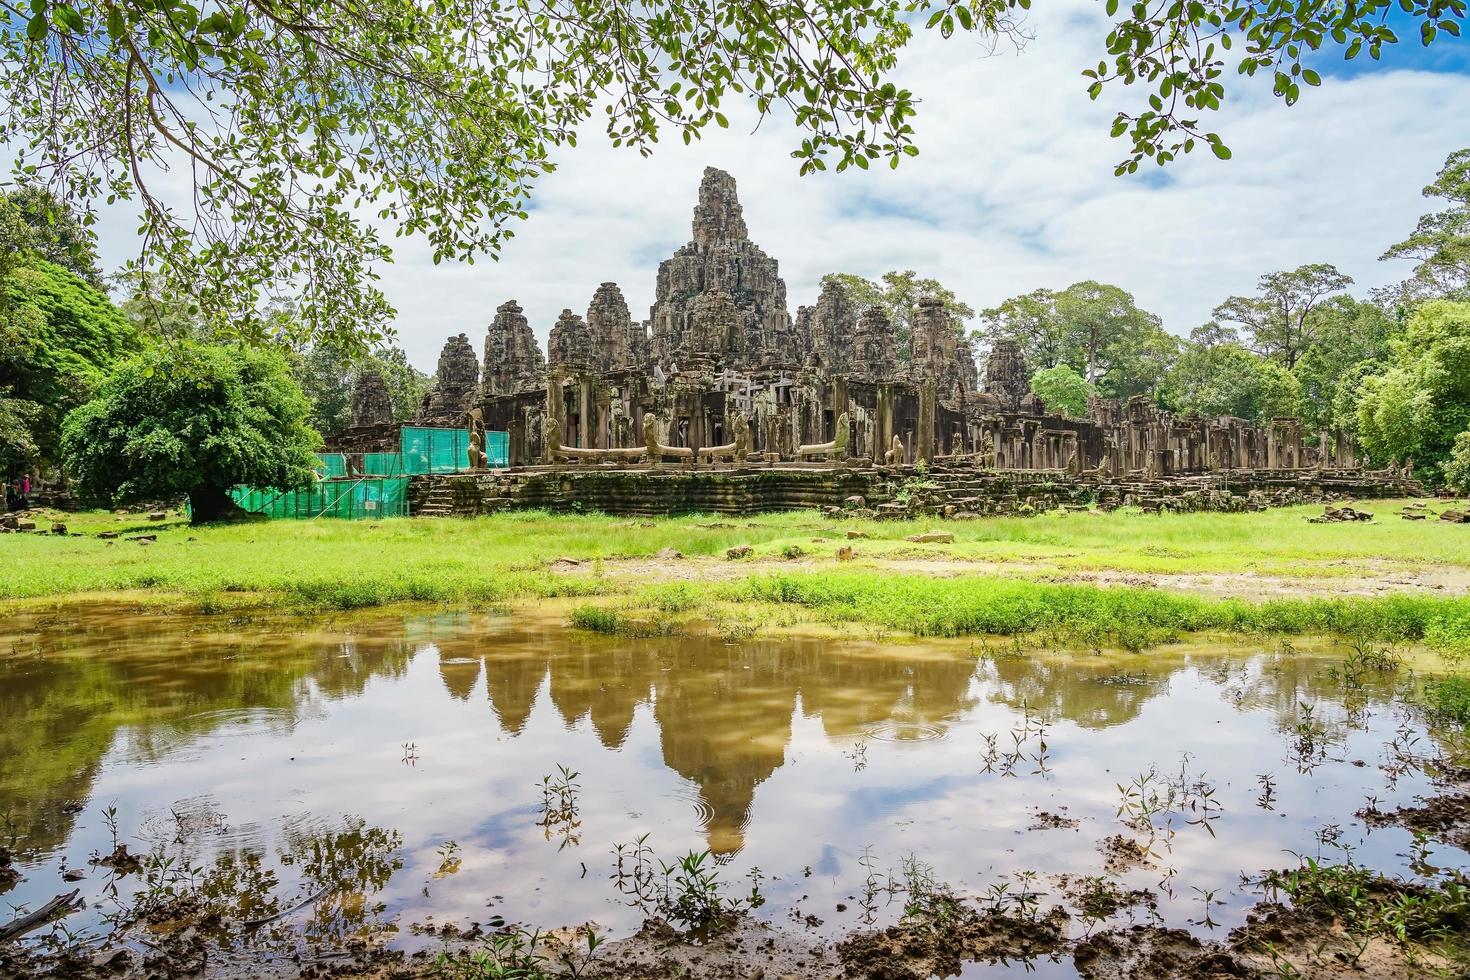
pixel 520 556
pixel 1448 699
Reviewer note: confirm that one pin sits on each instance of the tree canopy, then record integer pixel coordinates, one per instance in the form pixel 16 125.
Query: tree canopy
pixel 898 294
pixel 1278 321
pixel 298 125
pixel 189 418
pixel 1416 408
pixel 54 233
pixel 1440 244
pixel 1095 328
pixel 1062 390
pixel 58 337
pixel 1227 379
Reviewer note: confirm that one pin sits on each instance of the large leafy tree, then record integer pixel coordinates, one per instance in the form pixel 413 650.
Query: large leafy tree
pixel 188 418
pixel 1226 379
pixel 1278 321
pixel 327 375
pixel 54 233
pixel 297 122
pixel 58 337
pixel 1063 390
pixel 1350 339
pixel 1032 321
pixel 1416 408
pixel 1440 244
pixel 1095 328
pixel 898 294
pixel 1457 467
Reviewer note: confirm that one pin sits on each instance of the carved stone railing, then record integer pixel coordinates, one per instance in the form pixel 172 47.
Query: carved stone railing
pixel 836 449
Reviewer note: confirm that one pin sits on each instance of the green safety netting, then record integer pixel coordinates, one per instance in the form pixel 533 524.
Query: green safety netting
pixel 428 450
pixel 362 485
pixel 497 449
pixel 333 465
pixel 352 499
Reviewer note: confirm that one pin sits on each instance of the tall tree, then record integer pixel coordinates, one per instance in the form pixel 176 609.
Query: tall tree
pixel 1033 321
pixel 1350 339
pixel 56 234
pixel 1278 320
pixel 1419 405
pixel 1440 244
pixel 1095 328
pixel 898 295
pixel 58 338
pixel 189 418
pixel 299 122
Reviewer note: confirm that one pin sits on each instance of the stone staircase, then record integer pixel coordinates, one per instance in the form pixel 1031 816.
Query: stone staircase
pixel 438 502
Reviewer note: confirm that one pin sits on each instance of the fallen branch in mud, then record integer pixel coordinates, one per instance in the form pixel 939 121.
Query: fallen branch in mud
pixel 58 906
pixel 255 923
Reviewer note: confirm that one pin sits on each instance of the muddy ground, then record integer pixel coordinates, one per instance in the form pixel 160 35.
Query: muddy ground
pixel 1276 941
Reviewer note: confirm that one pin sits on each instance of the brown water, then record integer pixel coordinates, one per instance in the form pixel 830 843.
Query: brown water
pixel 281 757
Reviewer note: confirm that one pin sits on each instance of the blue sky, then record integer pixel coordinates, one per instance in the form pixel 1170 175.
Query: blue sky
pixel 1013 190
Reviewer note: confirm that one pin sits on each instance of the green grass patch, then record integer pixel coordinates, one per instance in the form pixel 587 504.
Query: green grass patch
pixel 1127 617
pixel 1448 700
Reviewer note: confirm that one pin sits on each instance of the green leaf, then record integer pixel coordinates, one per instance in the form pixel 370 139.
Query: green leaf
pixel 1220 149
pixel 37 28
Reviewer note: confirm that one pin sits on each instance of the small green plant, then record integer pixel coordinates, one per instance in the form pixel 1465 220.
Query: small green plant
pixel 517 953
pixel 687 893
pixel 559 811
pixel 928 903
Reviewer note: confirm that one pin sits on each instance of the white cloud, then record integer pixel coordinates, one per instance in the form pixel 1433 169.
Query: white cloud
pixel 1013 190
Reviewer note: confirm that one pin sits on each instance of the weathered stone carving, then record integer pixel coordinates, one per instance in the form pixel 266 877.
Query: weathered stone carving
pixel 513 362
pixel 656 450
pixel 455 381
pixel 618 343
pixel 1007 376
pixel 371 403
pixel 721 257
pixel 477 458
pixel 570 345
pixel 836 449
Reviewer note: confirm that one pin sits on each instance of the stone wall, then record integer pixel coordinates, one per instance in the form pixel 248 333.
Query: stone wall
pixel 949 492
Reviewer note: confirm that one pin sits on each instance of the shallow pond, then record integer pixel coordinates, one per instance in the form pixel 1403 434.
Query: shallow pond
pixel 409 765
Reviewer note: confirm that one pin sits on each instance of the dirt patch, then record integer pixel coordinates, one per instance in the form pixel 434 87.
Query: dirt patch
pixel 1046 820
pixel 1445 818
pixel 917 953
pixel 1122 854
pixel 1360 579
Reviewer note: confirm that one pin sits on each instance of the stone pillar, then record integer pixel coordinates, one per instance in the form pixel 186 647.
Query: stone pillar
pixel 924 438
pixel 883 424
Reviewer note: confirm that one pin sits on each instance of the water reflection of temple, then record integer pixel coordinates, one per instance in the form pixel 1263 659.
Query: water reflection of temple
pixel 724 712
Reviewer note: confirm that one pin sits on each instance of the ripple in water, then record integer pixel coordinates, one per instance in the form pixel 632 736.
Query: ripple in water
pixel 904 731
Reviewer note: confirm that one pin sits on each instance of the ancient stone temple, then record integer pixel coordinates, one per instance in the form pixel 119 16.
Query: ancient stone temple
pixel 721 380
pixel 513 362
pixel 756 328
pixel 456 381
pixel 371 403
pixel 622 342
pixel 570 349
